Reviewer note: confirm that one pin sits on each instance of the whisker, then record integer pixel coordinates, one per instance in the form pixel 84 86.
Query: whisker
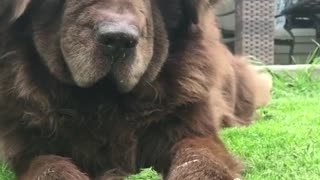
pixel 8 54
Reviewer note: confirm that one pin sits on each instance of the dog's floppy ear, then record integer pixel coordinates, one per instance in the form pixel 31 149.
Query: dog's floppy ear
pixel 192 8
pixel 11 10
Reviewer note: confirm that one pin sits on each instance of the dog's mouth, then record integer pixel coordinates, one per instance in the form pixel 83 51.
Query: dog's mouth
pixel 122 69
pixel 115 51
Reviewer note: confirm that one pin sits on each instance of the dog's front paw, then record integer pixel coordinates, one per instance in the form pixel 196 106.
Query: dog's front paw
pixel 199 168
pixel 53 168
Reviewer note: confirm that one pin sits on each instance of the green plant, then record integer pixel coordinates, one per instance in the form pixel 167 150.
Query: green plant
pixel 145 174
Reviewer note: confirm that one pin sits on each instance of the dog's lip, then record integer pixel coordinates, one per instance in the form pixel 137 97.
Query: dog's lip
pixel 86 84
pixel 108 80
pixel 95 78
pixel 123 88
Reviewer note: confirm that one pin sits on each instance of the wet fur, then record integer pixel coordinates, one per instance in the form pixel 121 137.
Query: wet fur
pixel 53 130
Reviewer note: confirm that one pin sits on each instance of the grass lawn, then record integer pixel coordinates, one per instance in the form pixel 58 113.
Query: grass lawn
pixel 284 144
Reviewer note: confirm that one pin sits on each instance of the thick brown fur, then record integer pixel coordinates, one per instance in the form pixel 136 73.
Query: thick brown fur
pixel 63 116
pixel 244 92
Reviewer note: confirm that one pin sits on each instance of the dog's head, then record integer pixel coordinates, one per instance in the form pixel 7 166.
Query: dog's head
pixel 82 42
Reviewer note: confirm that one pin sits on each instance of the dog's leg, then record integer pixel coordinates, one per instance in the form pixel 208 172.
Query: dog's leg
pixel 113 174
pixel 202 158
pixel 52 168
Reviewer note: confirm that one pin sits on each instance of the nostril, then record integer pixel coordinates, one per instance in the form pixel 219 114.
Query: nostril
pixel 117 36
pixel 118 40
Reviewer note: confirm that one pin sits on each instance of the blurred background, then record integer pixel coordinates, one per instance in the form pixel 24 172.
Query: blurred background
pixel 292 24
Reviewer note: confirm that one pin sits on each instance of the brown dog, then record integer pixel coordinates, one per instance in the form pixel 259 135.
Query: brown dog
pixel 99 89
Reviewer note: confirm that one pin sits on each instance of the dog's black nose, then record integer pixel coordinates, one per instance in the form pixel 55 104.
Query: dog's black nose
pixel 118 39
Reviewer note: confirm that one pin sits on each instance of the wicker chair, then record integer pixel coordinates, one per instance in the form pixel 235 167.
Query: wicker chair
pixel 255 29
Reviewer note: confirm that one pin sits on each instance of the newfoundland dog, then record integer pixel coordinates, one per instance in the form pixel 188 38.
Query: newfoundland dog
pixel 100 89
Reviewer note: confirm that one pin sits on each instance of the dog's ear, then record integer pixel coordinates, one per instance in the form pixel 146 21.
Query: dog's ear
pixel 11 10
pixel 192 8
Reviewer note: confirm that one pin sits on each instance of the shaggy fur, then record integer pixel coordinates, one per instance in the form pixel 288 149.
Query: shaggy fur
pixel 68 112
pixel 244 92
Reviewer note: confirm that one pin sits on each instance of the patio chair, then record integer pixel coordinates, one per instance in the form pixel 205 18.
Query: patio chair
pixel 300 14
pixel 255 29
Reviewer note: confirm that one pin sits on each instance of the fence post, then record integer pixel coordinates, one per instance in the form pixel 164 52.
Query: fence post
pixel 255 27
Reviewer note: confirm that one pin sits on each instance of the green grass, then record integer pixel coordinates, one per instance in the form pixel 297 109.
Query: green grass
pixel 145 174
pixel 284 144
pixel 5 173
